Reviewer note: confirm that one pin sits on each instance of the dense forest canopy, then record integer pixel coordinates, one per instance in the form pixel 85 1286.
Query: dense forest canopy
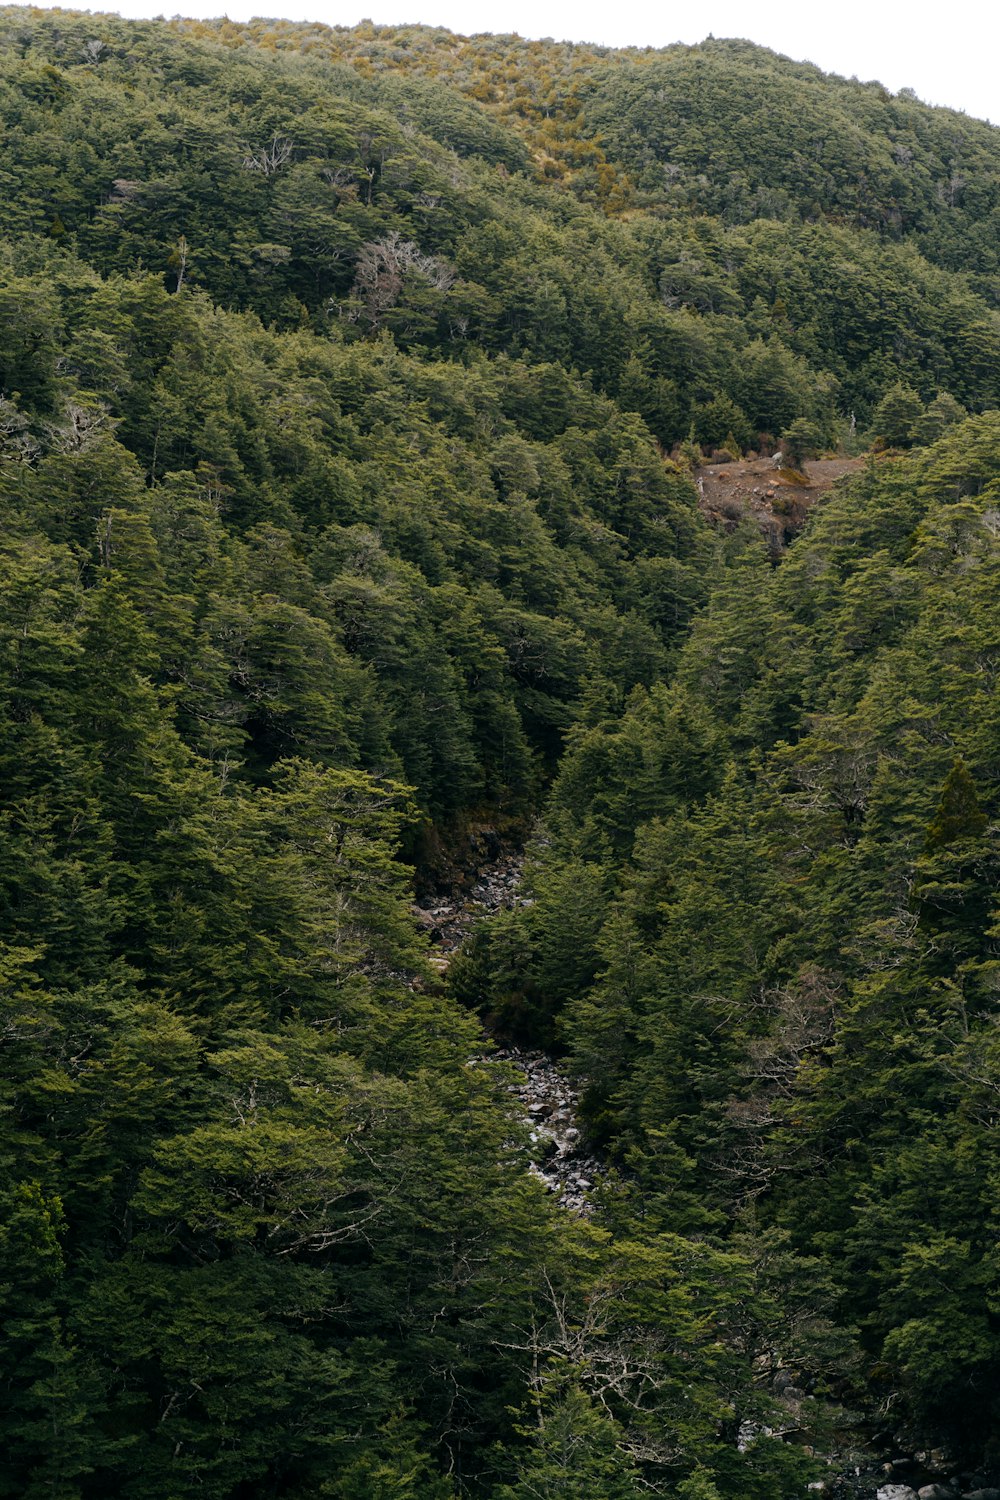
pixel 353 388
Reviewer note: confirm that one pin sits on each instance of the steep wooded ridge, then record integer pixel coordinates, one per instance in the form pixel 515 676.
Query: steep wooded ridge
pixel 353 387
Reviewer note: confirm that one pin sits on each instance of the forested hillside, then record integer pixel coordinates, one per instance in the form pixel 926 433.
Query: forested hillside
pixel 353 388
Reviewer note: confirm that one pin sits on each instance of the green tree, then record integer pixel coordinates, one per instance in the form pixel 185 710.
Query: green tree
pixel 896 418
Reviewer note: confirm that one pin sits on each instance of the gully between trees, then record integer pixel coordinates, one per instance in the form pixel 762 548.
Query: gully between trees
pixel 548 1099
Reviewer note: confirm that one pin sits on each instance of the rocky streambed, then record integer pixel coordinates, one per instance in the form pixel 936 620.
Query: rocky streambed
pixel 928 1479
pixel 549 1102
pixel 449 918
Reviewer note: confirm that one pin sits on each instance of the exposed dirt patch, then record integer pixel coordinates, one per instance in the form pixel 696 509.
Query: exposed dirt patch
pixel 777 499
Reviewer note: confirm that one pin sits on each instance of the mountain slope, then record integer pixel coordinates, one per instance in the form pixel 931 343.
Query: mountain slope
pixel 353 386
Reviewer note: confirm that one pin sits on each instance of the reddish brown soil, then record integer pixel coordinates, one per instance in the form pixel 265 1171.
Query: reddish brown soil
pixel 777 499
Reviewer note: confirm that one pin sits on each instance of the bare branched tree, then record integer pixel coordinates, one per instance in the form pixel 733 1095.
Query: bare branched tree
pixel 624 1367
pixel 16 442
pixel 79 428
pixel 270 158
pixel 341 179
pixel 383 267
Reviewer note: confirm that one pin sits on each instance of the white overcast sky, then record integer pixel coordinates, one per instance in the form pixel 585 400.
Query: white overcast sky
pixel 948 52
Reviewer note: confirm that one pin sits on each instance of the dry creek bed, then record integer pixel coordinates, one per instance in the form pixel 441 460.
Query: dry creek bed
pixel 549 1101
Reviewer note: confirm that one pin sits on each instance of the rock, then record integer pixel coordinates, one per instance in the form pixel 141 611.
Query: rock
pixel 936 1492
pixel 987 1494
pixel 902 1468
pixel 895 1492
